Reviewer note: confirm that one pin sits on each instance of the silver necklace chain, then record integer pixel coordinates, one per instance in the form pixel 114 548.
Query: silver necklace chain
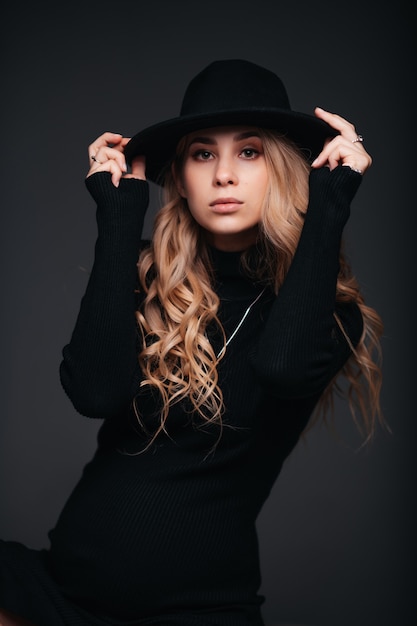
pixel 246 313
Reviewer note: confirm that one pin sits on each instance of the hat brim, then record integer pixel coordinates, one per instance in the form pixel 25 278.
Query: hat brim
pixel 158 142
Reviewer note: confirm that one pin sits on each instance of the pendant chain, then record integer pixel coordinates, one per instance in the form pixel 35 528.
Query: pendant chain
pixel 246 313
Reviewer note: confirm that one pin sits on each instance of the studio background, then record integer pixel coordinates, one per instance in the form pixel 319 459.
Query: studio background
pixel 337 535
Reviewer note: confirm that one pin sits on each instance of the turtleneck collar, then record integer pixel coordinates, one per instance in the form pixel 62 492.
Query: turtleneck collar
pixel 231 282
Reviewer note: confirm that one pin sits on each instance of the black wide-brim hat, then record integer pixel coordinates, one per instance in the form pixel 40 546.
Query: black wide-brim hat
pixel 230 92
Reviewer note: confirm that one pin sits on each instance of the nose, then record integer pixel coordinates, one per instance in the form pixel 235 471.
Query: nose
pixel 224 173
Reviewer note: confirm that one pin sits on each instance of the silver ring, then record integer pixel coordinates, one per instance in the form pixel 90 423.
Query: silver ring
pixel 93 158
pixel 354 169
pixel 358 138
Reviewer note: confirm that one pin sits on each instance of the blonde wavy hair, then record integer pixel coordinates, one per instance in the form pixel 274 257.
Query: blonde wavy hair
pixel 177 359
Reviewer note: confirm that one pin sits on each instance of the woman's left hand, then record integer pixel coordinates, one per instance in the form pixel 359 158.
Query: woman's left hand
pixel 344 149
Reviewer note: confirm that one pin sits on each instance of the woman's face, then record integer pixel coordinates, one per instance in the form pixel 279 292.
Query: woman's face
pixel 224 180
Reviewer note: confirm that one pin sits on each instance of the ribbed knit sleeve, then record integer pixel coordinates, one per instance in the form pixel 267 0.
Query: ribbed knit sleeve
pixel 301 348
pixel 99 362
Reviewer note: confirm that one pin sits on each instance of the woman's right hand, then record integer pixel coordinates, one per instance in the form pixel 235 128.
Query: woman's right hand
pixel 106 154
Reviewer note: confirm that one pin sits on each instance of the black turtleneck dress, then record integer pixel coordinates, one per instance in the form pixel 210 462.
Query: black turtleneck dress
pixel 167 535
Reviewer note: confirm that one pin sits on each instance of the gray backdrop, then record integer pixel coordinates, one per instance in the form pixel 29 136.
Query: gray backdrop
pixel 337 534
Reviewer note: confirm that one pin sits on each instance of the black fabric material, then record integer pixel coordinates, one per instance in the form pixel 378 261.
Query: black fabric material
pixel 229 92
pixel 167 535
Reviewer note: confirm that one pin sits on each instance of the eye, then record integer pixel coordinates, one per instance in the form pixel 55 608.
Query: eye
pixel 202 155
pixel 249 153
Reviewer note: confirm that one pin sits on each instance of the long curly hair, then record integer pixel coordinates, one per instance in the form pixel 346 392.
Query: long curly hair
pixel 179 302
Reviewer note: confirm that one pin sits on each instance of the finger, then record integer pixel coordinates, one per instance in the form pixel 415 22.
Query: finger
pixel 345 128
pixel 344 152
pixel 116 141
pixel 108 166
pixel 346 148
pixel 104 154
pixel 138 168
pixel 106 139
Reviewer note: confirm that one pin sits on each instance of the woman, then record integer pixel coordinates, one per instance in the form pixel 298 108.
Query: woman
pixel 206 359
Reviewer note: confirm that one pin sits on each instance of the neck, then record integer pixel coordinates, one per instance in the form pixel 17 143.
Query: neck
pixel 233 242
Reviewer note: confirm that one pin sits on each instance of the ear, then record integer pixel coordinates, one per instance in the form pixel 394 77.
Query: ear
pixel 178 182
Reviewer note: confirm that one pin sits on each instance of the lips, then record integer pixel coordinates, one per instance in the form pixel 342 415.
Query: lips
pixel 226 205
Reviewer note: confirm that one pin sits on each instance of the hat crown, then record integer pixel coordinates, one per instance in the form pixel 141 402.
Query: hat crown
pixel 231 92
pixel 234 85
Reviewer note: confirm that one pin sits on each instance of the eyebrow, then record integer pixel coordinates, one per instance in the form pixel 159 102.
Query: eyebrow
pixel 210 142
